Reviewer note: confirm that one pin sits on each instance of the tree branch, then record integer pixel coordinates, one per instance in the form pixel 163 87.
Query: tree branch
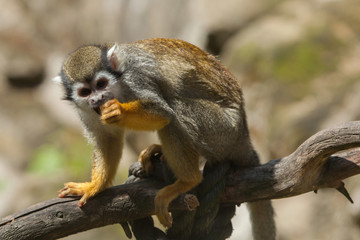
pixel 309 168
pixel 312 166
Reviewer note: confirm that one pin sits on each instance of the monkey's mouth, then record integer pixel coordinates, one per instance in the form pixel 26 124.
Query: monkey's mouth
pixel 97 110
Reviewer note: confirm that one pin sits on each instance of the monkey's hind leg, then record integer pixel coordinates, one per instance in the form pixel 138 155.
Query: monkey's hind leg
pixel 168 193
pixel 183 160
pixel 184 166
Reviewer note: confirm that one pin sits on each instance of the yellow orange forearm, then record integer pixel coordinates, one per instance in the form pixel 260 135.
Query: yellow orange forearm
pixel 132 115
pixel 137 118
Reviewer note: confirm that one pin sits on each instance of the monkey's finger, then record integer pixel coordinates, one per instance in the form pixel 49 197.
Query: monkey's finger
pixel 109 109
pixel 110 105
pixel 110 112
pixel 109 118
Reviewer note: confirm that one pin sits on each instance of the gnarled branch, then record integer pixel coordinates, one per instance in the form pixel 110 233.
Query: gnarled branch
pixel 312 166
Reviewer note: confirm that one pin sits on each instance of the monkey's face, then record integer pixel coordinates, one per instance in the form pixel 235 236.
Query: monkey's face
pixel 90 77
pixel 95 92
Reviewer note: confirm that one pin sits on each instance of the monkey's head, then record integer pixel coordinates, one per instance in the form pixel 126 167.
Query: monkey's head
pixel 90 76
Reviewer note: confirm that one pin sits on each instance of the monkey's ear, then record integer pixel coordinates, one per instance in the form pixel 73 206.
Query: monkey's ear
pixel 57 80
pixel 114 58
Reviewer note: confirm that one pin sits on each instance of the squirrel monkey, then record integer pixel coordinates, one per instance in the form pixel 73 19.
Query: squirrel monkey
pixel 171 86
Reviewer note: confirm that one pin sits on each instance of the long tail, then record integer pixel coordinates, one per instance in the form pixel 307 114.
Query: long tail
pixel 262 220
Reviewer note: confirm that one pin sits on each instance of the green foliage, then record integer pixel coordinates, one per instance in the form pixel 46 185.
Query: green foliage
pixel 251 60
pixel 79 157
pixel 64 152
pixel 293 65
pixel 298 63
pixel 47 160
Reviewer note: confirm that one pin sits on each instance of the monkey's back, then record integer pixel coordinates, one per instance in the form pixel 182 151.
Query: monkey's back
pixel 193 70
pixel 205 96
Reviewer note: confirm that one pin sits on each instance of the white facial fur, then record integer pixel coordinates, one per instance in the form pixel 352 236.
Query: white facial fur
pixel 113 84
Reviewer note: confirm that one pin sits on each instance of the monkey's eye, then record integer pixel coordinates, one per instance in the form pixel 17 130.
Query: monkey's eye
pixel 101 83
pixel 84 92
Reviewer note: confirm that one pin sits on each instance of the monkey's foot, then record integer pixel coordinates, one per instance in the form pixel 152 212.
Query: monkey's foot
pixel 111 112
pixel 161 211
pixel 146 157
pixel 169 193
pixel 86 190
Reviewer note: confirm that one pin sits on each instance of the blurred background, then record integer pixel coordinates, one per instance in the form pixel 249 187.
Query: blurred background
pixel 298 62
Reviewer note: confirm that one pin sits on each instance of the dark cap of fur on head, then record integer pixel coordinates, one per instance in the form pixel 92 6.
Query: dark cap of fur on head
pixel 82 63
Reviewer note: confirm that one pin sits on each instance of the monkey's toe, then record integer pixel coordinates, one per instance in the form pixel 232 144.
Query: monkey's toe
pixel 164 216
pixel 161 211
pixel 63 192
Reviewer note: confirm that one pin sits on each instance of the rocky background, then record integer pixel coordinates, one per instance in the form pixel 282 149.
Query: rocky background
pixel 298 61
